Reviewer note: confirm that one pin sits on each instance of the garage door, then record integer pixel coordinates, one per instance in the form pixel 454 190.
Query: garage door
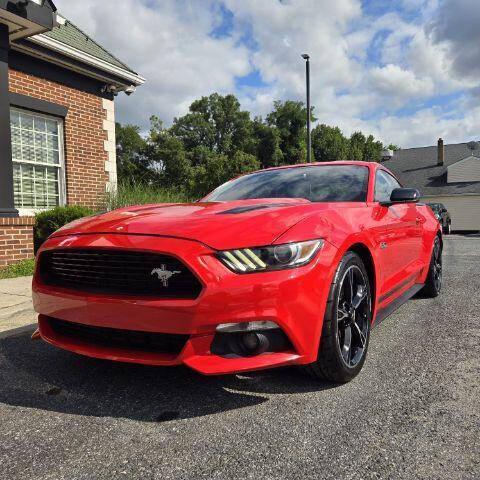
pixel 464 210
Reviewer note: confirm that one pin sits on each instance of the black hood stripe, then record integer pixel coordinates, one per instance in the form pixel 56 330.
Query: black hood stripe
pixel 251 208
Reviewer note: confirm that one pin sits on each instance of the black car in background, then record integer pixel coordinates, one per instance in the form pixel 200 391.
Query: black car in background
pixel 442 215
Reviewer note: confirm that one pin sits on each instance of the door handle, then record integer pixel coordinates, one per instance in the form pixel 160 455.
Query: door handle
pixel 418 220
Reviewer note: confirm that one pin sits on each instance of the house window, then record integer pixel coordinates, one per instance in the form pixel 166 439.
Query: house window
pixel 37 154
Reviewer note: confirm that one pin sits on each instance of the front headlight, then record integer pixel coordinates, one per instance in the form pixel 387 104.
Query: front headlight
pixel 275 257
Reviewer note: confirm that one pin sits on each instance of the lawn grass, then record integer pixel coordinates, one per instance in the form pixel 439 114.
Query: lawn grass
pixel 129 194
pixel 23 268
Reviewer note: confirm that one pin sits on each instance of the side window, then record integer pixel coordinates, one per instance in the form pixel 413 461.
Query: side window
pixel 384 185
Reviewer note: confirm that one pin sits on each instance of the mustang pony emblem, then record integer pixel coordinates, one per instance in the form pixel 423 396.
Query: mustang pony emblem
pixel 163 274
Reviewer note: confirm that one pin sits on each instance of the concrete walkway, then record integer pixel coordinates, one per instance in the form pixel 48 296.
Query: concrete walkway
pixel 16 303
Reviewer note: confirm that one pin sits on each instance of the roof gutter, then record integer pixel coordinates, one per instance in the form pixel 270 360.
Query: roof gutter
pixel 134 79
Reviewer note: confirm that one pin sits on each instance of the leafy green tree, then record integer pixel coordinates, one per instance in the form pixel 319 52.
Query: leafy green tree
pixel 267 144
pixel 131 159
pixel 216 141
pixel 372 150
pixel 208 173
pixel 215 122
pixel 289 118
pixel 356 146
pixel 168 157
pixel 212 169
pixel 241 163
pixel 329 143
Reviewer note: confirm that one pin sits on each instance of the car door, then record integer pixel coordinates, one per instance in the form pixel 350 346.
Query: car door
pixel 402 245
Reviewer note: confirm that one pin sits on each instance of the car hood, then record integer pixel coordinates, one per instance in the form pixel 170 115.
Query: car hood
pixel 220 225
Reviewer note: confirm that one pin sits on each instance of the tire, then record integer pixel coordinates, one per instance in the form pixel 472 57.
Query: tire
pixel 447 229
pixel 335 362
pixel 433 285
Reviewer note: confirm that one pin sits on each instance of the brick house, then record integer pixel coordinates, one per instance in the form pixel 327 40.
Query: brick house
pixel 57 121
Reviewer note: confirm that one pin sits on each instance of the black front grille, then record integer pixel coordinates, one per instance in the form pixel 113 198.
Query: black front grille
pixel 116 338
pixel 119 272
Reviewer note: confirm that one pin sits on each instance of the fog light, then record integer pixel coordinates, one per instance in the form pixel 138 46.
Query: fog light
pixel 247 343
pixel 254 343
pixel 246 326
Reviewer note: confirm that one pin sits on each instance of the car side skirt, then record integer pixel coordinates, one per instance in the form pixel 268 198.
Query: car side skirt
pixel 386 311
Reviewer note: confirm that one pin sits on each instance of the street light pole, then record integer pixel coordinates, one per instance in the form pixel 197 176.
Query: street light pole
pixel 306 57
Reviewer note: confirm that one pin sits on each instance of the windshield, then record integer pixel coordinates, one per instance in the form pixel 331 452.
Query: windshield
pixel 320 183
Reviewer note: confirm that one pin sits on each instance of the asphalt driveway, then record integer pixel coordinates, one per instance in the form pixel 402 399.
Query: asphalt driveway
pixel 412 413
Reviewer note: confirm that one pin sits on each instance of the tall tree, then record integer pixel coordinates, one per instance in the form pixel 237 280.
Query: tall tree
pixel 356 146
pixel 132 163
pixel 192 155
pixel 212 169
pixel 215 122
pixel 372 150
pixel 267 144
pixel 289 118
pixel 168 156
pixel 216 141
pixel 329 143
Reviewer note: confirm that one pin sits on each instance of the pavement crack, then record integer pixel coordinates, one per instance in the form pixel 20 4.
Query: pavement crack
pixel 13 305
pixel 15 294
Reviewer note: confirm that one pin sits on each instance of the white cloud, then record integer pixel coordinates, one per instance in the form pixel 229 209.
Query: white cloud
pixel 167 42
pixel 284 30
pixel 398 84
pixel 426 126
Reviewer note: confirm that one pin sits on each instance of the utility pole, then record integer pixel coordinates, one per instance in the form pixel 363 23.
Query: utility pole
pixel 306 57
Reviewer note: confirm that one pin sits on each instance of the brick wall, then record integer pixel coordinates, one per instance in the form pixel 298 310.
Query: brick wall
pixel 16 239
pixel 89 133
pixel 85 136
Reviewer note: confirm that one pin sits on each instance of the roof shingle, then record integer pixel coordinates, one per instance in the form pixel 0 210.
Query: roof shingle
pixel 74 37
pixel 417 167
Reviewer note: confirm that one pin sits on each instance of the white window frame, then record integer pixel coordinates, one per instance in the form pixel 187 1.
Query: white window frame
pixel 62 190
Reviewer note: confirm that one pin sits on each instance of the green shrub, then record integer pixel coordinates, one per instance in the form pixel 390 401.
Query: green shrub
pixel 132 193
pixel 51 220
pixel 23 268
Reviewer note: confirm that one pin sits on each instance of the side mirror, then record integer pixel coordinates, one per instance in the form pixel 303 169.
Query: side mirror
pixel 403 195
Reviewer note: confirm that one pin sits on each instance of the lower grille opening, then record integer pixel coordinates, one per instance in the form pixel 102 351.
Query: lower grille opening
pixel 117 338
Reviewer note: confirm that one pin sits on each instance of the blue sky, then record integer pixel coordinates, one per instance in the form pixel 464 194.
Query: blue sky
pixel 405 71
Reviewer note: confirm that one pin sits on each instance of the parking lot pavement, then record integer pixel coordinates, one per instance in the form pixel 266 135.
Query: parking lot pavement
pixel 412 413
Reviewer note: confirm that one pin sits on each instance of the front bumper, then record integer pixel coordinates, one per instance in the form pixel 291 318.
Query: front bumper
pixel 294 299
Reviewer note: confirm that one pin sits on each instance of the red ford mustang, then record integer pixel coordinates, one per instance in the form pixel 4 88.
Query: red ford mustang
pixel 287 266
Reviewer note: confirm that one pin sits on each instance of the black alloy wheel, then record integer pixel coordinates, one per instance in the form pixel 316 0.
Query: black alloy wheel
pixel 437 264
pixel 433 285
pixel 346 324
pixel 353 315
